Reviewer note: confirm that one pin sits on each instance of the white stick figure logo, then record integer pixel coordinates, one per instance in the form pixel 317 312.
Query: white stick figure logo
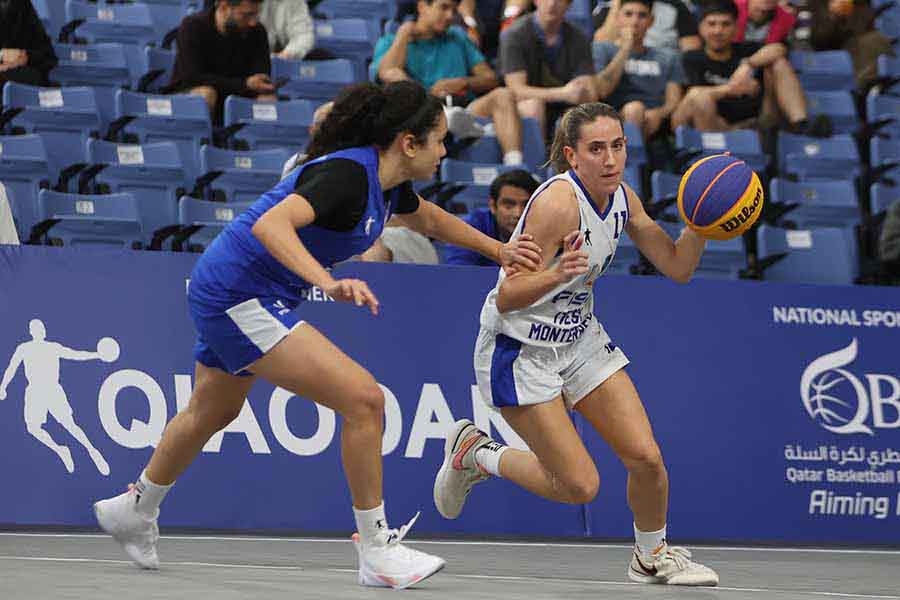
pixel 44 395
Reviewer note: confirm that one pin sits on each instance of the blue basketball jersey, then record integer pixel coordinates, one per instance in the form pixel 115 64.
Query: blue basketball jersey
pixel 237 264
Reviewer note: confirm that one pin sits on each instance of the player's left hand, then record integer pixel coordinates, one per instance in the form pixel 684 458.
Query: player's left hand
pixel 520 254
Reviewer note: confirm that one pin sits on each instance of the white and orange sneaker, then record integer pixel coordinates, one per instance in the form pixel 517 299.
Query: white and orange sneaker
pixel 459 472
pixel 671 565
pixel 385 562
pixel 137 533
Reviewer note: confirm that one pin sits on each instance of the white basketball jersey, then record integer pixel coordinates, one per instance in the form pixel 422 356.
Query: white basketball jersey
pixel 561 316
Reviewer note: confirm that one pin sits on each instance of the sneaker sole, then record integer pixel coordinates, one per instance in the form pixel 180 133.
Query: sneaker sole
pixel 369 579
pixel 653 579
pixel 449 444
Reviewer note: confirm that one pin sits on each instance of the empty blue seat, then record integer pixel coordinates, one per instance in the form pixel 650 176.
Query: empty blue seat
pixel 313 79
pixel 579 14
pixel 883 111
pixel 202 221
pixel 742 143
pixel 379 10
pixel 76 220
pixel 722 259
pixel 64 117
pixel 124 23
pixel 470 172
pixel 263 125
pixel 819 203
pixel 637 152
pixel 152 173
pixel 353 39
pixel 533 148
pixel 52 14
pixel 838 106
pixel 825 256
pixel 889 24
pixel 810 158
pixel 181 118
pixel 824 70
pixel 664 188
pixel 157 70
pixel 888 66
pixel 23 171
pixel 885 159
pixel 883 196
pixel 242 175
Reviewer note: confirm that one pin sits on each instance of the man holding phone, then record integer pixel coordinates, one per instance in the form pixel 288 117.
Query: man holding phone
pixel 223 50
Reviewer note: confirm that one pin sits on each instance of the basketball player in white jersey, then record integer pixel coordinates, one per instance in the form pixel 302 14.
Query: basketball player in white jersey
pixel 541 351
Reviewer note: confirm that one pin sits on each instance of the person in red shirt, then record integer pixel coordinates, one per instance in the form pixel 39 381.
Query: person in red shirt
pixel 763 22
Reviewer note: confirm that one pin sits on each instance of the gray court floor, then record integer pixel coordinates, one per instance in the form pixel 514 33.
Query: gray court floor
pixel 88 566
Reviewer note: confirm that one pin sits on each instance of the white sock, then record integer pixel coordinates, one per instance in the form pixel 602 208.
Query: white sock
pixel 513 157
pixel 649 542
pixel 150 495
pixel 369 522
pixel 488 456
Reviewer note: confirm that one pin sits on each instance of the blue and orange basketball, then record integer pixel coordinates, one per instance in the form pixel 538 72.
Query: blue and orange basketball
pixel 720 197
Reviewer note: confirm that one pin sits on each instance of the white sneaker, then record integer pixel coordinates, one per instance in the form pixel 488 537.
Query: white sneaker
pixel 137 533
pixel 385 562
pixel 462 124
pixel 459 472
pixel 672 566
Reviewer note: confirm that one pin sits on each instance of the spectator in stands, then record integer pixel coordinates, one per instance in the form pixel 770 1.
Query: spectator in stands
pixel 845 25
pixel 8 233
pixel 508 195
pixel 674 26
pixel 643 84
pixel 223 51
pixel 763 22
pixel 889 243
pixel 26 53
pixel 546 62
pixel 400 244
pixel 732 83
pixel 448 64
pixel 289 26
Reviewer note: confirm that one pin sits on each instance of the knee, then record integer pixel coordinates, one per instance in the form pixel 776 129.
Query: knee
pixel 367 403
pixel 532 108
pixel 781 66
pixel 206 92
pixel 646 461
pixel 504 98
pixel 633 112
pixel 213 417
pixel 583 487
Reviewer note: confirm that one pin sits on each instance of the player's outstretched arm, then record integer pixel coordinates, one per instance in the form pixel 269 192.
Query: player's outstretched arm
pixel 10 371
pixel 432 221
pixel 676 260
pixel 554 222
pixel 71 354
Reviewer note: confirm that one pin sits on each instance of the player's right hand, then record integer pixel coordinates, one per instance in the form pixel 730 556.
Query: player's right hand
pixel 2 394
pixel 353 290
pixel 573 261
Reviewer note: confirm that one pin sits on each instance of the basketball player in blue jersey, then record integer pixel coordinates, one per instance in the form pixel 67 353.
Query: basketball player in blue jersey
pixel 245 286
pixel 541 351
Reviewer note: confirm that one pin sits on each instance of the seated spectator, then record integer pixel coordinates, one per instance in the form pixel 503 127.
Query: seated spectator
pixel 643 84
pixel 763 22
pixel 731 84
pixel 674 26
pixel 26 54
pixel 223 51
pixel 289 26
pixel 447 63
pixel 845 25
pixel 546 62
pixel 8 233
pixel 508 195
pixel 401 244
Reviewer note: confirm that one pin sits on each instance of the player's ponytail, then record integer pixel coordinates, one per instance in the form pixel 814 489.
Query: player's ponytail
pixel 568 132
pixel 368 114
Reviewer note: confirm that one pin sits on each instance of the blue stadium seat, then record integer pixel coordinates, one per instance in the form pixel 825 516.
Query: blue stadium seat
pixel 885 159
pixel 263 125
pixel 470 172
pixel 722 259
pixel 819 203
pixel 380 10
pixel 202 221
pixel 152 173
pixel 663 188
pixel 883 196
pixel 123 23
pixel 64 117
pixel 242 176
pixel 349 38
pixel 810 158
pixel 825 256
pixel 180 118
pixel 166 17
pixel 825 70
pixel 889 24
pixel 888 66
pixel 579 14
pixel 742 143
pixel 52 14
pixel 883 112
pixel 637 152
pixel 533 148
pixel 157 70
pixel 838 106
pixel 23 171
pixel 313 79
pixel 77 220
